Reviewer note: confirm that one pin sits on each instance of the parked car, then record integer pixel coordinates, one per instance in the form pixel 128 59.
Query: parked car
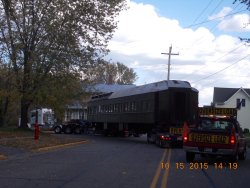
pixel 76 126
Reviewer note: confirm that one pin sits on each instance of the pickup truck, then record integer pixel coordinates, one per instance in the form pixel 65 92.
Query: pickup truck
pixel 214 136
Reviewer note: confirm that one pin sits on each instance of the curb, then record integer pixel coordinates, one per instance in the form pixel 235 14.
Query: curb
pixel 58 146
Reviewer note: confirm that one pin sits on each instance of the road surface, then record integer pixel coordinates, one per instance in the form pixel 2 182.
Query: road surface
pixel 119 163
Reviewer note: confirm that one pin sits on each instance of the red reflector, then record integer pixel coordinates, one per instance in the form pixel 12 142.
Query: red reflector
pixel 232 139
pixel 185 138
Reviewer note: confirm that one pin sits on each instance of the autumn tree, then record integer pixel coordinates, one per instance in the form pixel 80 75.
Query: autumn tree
pixel 7 92
pixel 46 41
pixel 247 3
pixel 112 73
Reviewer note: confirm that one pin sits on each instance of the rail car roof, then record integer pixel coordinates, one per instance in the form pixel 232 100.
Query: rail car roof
pixel 153 87
pixel 108 88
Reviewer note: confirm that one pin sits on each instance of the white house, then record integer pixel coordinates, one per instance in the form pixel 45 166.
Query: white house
pixel 234 98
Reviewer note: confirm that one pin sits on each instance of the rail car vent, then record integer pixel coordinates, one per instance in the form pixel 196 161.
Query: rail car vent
pixel 101 95
pixel 175 81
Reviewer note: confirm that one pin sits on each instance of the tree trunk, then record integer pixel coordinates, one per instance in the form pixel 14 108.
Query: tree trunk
pixel 3 111
pixel 24 112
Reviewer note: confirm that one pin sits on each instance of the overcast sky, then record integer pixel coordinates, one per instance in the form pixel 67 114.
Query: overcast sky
pixel 204 33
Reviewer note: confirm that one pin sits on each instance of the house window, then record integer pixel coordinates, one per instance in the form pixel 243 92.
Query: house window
pixel 243 102
pixel 238 103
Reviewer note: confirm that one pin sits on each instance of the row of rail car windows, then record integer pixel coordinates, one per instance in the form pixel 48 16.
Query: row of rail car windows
pixel 127 107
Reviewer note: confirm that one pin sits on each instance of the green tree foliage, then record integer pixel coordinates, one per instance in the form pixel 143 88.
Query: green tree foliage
pixel 112 73
pixel 46 43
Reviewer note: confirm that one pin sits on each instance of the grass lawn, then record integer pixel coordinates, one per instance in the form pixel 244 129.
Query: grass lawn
pixel 24 138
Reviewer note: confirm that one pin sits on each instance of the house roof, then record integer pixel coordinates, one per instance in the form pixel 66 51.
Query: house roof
pixel 223 94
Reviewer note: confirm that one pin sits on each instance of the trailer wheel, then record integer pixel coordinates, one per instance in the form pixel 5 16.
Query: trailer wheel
pixel 160 144
pixel 190 157
pixel 149 141
pixel 243 155
pixel 57 130
pixel 77 130
pixel 68 130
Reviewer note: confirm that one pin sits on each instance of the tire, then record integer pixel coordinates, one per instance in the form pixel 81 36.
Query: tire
pixel 58 130
pixel 160 144
pixel 148 140
pixel 136 135
pixel 243 155
pixel 190 157
pixel 77 130
pixel 68 130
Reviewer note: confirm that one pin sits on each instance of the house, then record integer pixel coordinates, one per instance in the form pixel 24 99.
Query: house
pixel 234 98
pixel 78 109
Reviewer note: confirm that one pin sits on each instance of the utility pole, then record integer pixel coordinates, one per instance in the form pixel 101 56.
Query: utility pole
pixel 169 58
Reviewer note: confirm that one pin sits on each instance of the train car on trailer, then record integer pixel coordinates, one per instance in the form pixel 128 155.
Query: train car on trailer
pixel 162 105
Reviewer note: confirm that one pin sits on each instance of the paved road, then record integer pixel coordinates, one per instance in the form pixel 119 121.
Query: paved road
pixel 117 163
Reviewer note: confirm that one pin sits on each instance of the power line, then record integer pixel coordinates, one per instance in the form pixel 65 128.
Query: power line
pixel 229 52
pixel 202 12
pixel 220 70
pixel 212 28
pixel 215 18
pixel 216 7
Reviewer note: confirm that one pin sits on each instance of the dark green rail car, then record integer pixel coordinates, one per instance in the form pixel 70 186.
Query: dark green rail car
pixel 141 108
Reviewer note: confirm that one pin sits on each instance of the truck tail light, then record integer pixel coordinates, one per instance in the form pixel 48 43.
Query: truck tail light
pixel 185 138
pixel 232 139
pixel 165 137
pixel 185 132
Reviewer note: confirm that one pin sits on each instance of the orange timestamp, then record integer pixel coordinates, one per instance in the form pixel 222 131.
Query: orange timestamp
pixel 200 166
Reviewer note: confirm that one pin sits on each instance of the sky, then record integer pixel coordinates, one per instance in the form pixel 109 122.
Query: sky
pixel 204 33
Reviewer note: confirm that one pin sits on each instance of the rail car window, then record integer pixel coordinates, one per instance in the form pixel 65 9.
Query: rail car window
pixel 126 107
pixel 94 110
pixel 116 108
pixel 133 107
pixel 145 106
pixel 150 106
pixel 102 109
pixel 121 107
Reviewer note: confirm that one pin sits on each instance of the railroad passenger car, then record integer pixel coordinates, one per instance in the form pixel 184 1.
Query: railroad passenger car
pixel 142 108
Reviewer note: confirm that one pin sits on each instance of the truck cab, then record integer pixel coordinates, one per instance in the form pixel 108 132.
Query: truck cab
pixel 214 135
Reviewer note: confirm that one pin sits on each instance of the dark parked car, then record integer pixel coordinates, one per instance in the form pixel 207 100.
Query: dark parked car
pixel 76 126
